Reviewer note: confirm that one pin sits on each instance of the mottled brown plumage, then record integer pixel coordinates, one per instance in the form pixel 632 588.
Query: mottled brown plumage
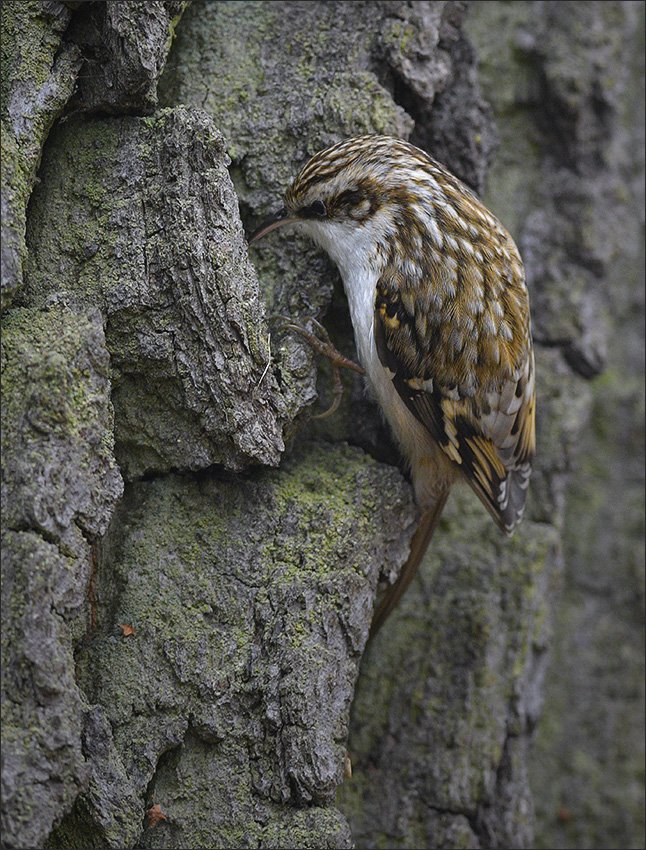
pixel 438 301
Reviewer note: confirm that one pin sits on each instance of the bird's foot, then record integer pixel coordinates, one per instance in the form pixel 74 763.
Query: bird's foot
pixel 321 343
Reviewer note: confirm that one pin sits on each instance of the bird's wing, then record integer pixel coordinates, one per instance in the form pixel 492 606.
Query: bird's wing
pixel 485 426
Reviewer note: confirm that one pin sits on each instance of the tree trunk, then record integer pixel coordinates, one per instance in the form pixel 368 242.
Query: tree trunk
pixel 190 560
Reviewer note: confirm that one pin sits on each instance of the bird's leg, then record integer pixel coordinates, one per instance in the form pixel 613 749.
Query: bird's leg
pixel 337 391
pixel 323 345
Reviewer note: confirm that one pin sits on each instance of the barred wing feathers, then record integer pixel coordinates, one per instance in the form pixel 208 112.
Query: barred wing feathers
pixel 487 429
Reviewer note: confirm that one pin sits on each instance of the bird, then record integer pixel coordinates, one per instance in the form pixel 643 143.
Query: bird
pixel 440 312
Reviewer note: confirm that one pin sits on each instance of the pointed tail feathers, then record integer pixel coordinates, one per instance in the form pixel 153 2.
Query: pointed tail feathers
pixel 419 545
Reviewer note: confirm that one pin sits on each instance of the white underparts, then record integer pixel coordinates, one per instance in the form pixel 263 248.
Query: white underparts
pixel 352 248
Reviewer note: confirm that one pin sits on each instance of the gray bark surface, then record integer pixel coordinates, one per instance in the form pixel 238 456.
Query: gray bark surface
pixel 124 46
pixel 190 562
pixel 153 237
pixel 38 77
pixel 243 694
pixel 580 108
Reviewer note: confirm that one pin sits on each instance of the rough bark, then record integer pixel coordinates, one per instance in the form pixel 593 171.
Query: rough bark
pixel 190 563
pixel 60 483
pixel 238 680
pixel 144 214
pixel 124 46
pixel 38 77
pixel 584 241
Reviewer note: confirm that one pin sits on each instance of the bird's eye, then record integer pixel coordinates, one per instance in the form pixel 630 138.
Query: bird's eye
pixel 351 197
pixel 316 208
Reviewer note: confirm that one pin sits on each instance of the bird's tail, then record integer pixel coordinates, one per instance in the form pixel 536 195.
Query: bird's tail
pixel 418 547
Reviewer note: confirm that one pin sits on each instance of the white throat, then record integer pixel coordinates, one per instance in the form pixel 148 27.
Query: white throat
pixel 355 251
pixel 353 248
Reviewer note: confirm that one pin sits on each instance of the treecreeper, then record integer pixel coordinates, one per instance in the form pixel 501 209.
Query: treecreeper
pixel 440 311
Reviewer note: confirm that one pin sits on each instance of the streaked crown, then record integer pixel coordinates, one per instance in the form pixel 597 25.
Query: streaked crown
pixel 356 177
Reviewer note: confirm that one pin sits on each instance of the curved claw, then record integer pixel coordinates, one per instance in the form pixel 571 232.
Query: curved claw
pixel 331 409
pixel 319 327
pixel 323 345
pixel 338 395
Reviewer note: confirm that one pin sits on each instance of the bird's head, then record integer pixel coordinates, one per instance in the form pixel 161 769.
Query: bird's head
pixel 350 198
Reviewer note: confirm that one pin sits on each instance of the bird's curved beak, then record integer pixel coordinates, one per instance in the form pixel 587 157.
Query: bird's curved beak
pixel 276 220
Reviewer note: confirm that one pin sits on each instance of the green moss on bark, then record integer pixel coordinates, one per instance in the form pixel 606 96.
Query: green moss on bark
pixel 57 424
pixel 38 75
pixel 570 80
pixel 246 645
